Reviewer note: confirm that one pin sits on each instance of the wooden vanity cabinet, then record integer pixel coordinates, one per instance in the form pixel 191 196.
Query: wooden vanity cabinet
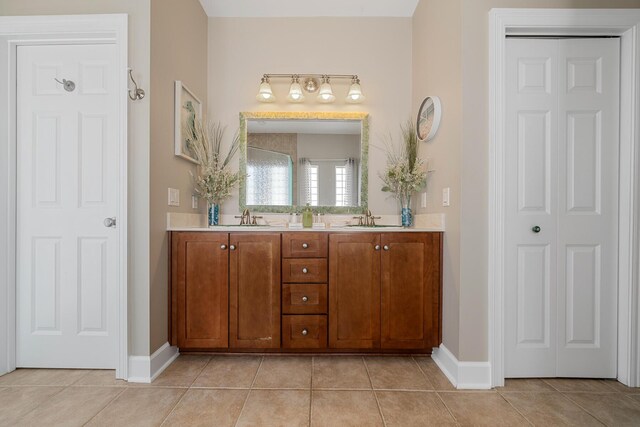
pixel 410 290
pixel 199 303
pixel 354 291
pixel 254 290
pixel 384 290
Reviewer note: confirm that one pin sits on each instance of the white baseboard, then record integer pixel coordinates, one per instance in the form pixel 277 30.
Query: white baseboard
pixel 145 369
pixel 463 375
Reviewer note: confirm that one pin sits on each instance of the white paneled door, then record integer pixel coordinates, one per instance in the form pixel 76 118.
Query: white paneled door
pixel 562 207
pixel 67 245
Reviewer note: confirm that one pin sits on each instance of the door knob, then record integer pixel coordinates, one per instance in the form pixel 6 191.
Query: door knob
pixel 109 222
pixel 305 331
pixel 305 246
pixel 305 299
pixel 376 247
pixel 385 247
pixel 232 247
pixel 536 229
pixel 223 247
pixel 305 271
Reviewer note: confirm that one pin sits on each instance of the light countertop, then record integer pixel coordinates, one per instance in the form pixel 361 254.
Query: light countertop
pixel 274 229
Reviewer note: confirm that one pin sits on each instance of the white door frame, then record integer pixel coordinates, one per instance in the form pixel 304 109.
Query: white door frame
pixel 624 23
pixel 39 30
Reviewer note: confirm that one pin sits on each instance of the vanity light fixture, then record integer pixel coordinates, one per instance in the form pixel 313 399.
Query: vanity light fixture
pixel 295 91
pixel 265 94
pixel 325 95
pixel 310 85
pixel 355 95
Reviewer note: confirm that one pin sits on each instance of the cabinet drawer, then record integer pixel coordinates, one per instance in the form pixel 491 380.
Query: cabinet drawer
pixel 304 245
pixel 304 331
pixel 304 298
pixel 305 270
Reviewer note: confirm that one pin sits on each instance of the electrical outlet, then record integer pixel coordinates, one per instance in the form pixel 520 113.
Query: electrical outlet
pixel 174 197
pixel 424 200
pixel 194 201
pixel 446 193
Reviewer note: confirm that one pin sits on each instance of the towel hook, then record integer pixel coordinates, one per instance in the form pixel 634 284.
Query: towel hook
pixel 137 93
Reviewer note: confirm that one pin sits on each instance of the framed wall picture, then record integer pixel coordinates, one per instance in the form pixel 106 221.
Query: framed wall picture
pixel 187 108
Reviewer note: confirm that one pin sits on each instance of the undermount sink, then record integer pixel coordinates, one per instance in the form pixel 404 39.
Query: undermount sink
pixel 252 226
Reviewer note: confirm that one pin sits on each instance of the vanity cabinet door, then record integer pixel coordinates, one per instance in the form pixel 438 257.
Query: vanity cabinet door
pixel 200 267
pixel 410 290
pixel 254 290
pixel 354 290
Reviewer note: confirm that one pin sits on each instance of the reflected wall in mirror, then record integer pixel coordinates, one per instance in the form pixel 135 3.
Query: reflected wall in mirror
pixel 292 159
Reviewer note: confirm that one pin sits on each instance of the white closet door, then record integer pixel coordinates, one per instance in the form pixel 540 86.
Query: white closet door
pixel 588 126
pixel 562 176
pixel 531 188
pixel 67 156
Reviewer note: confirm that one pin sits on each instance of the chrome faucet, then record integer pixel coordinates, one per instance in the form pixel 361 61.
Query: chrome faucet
pixel 245 218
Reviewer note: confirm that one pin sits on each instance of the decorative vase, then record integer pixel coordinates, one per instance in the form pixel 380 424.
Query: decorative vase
pixel 213 214
pixel 405 212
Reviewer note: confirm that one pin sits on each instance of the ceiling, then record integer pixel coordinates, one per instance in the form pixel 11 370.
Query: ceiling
pixel 308 8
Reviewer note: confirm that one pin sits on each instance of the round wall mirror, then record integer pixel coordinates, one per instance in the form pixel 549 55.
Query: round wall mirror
pixel 428 118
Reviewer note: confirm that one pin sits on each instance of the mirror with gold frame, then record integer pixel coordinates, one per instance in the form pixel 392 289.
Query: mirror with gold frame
pixel 291 159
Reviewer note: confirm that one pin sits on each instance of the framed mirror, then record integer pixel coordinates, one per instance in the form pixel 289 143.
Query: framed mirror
pixel 292 159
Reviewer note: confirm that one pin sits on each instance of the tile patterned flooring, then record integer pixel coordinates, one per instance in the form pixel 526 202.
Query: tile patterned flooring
pixel 198 390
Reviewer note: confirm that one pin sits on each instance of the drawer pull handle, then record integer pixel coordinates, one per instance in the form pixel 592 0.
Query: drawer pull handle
pixel 223 247
pixel 305 331
pixel 305 246
pixel 305 299
pixel 304 270
pixel 232 247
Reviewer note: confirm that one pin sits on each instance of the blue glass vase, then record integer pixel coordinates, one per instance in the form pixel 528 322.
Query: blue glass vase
pixel 405 212
pixel 213 214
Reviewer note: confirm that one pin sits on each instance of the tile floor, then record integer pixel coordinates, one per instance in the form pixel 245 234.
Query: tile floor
pixel 302 391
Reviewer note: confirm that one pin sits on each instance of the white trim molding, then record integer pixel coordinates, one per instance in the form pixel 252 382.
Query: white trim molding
pixel 623 23
pixel 41 30
pixel 145 369
pixel 463 375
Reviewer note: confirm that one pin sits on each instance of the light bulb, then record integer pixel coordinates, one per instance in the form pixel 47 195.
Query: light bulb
pixel 295 91
pixel 265 94
pixel 325 95
pixel 355 95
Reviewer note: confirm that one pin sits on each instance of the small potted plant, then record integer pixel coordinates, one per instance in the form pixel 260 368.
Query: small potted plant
pixel 213 181
pixel 405 173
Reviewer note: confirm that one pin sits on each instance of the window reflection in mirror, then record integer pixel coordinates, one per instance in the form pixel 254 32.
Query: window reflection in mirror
pixel 292 162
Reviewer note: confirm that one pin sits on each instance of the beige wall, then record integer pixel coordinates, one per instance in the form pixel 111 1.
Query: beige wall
pixel 241 50
pixel 178 52
pixel 138 11
pixel 437 70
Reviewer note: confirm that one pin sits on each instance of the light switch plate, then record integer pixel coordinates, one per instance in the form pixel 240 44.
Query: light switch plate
pixel 424 200
pixel 194 201
pixel 174 197
pixel 446 193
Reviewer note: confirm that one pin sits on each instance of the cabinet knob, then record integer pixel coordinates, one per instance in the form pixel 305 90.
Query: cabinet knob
pixel 305 331
pixel 232 247
pixel 536 229
pixel 304 270
pixel 385 247
pixel 376 247
pixel 305 299
pixel 223 247
pixel 305 246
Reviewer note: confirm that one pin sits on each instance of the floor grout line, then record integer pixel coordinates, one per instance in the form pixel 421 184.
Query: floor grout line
pixel 583 408
pixel 455 420
pixel 375 395
pixel 426 377
pixel 174 407
pixel 515 409
pixel 249 392
pixel 105 406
